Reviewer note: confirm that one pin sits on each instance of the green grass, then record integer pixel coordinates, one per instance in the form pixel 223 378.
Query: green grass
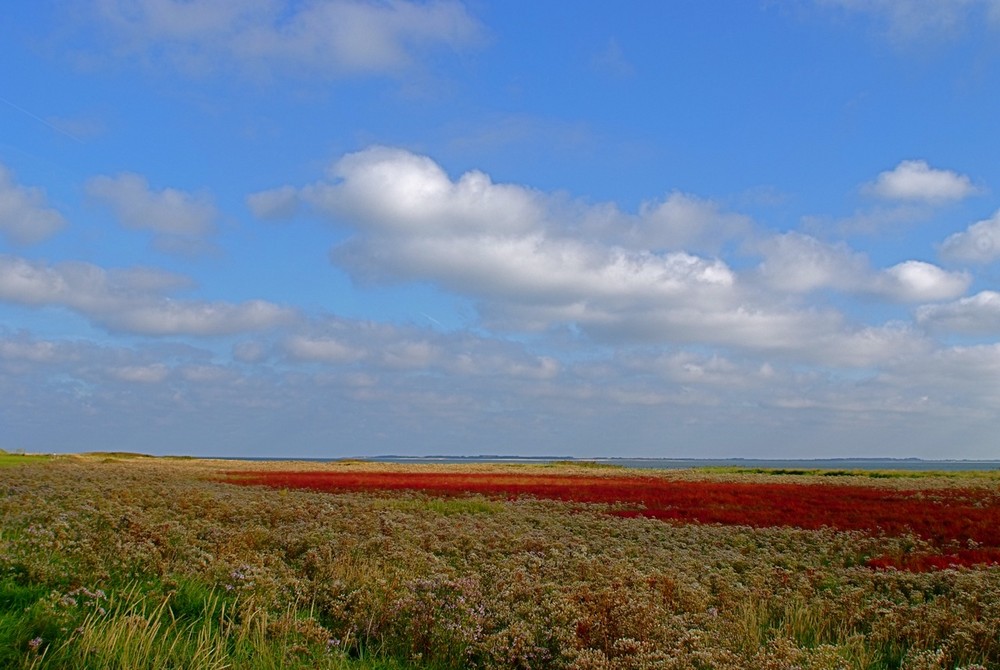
pixel 116 454
pixel 148 625
pixel 8 460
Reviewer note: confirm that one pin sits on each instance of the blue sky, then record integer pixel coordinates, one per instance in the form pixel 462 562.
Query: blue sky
pixel 345 227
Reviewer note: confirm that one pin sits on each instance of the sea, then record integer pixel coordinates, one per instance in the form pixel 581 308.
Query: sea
pixel 916 464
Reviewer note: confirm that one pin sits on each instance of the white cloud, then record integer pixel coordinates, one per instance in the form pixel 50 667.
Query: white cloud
pixel 535 262
pixel 963 381
pixel 689 368
pixel 869 347
pixel 484 239
pixel 916 281
pixel 916 181
pixel 798 263
pixel 395 191
pixel 278 203
pixel 130 300
pixel 978 315
pixel 452 389
pixel 23 349
pixel 682 220
pixel 401 350
pixel 817 337
pixel 206 374
pixel 537 270
pixel 167 212
pixel 174 317
pixel 407 355
pixel 869 220
pixel 324 349
pixel 544 367
pixel 77 285
pixel 331 36
pixel 142 374
pixel 979 243
pixel 25 218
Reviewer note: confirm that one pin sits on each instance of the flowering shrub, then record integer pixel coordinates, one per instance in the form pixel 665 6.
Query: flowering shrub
pixel 966 521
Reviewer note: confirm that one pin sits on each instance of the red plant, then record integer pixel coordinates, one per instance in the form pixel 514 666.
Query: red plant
pixel 951 520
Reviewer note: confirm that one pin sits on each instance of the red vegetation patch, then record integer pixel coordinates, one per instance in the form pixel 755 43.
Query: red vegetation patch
pixel 953 520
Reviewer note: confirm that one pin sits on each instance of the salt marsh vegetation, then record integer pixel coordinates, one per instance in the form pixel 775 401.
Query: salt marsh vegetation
pixel 161 563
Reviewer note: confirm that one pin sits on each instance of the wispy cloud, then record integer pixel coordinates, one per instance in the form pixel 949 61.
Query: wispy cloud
pixel 332 37
pixel 59 126
pixel 525 133
pixel 132 301
pixel 611 61
pixel 179 220
pixel 168 211
pixel 910 21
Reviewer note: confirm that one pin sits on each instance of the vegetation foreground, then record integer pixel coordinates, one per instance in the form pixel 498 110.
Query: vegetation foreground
pixel 113 562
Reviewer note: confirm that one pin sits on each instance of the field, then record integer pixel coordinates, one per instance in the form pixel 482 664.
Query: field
pixel 114 561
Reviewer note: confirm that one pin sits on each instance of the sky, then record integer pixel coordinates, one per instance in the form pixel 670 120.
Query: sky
pixel 335 228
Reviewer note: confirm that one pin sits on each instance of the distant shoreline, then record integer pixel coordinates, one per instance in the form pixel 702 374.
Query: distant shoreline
pixel 679 463
pixel 912 464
